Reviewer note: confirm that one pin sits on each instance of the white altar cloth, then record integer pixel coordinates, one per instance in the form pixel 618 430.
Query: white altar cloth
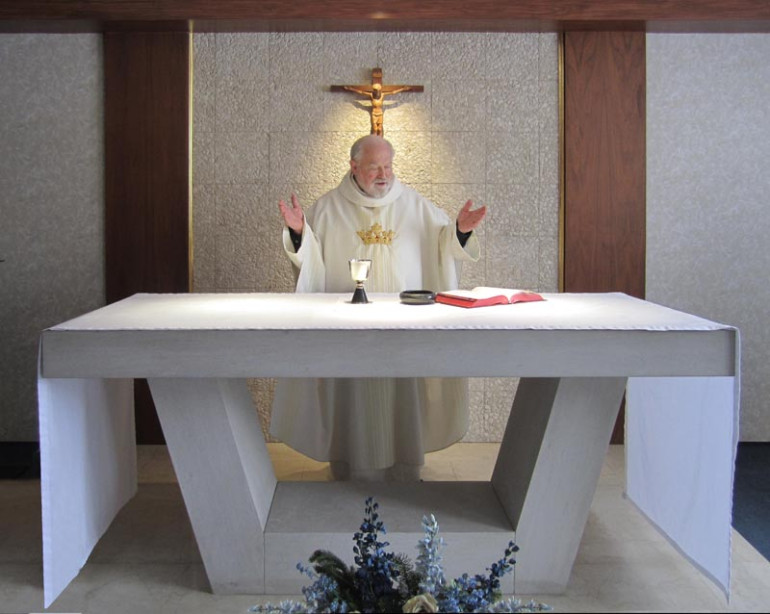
pixel 154 312
pixel 86 364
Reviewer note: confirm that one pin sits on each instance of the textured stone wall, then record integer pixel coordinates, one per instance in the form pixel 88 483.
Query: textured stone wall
pixel 708 151
pixel 51 204
pixel 485 128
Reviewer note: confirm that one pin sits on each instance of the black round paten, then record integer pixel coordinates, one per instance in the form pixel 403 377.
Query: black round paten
pixel 417 297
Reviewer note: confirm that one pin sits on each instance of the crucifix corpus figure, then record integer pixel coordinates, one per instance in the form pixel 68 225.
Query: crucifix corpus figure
pixel 376 93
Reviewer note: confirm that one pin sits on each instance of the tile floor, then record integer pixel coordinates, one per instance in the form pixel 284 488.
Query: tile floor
pixel 148 561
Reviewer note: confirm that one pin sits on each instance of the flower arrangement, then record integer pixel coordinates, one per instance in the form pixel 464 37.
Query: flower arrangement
pixel 382 581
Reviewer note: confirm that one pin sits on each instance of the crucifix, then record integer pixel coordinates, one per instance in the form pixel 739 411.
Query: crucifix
pixel 376 93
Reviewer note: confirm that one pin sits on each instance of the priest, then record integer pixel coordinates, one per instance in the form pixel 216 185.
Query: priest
pixel 374 428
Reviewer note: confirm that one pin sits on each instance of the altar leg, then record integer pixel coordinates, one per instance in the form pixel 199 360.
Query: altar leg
pixel 548 468
pixel 225 473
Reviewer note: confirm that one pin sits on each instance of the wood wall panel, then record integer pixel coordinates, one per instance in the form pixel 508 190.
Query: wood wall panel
pixel 605 159
pixel 604 154
pixel 147 194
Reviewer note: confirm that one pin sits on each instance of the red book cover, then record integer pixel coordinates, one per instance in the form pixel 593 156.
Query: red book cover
pixel 483 297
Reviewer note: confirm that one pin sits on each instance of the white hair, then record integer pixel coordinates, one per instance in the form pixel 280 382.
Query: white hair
pixel 357 150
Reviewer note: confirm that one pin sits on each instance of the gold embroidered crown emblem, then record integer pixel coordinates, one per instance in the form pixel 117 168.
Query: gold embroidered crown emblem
pixel 376 235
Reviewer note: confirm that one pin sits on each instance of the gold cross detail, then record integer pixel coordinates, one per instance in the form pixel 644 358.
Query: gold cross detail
pixel 376 235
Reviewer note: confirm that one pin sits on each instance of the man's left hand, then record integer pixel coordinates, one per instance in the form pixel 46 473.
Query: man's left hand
pixel 468 220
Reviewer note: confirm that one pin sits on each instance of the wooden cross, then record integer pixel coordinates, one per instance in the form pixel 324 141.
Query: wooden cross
pixel 376 93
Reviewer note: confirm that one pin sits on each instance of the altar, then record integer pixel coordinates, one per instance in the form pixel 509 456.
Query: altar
pixel 576 355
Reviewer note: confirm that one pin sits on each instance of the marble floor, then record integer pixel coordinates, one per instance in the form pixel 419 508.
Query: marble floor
pixel 148 561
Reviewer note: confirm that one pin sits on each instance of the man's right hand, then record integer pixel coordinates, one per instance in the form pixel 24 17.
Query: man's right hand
pixel 292 214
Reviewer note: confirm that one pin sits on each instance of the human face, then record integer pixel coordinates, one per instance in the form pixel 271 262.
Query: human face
pixel 374 170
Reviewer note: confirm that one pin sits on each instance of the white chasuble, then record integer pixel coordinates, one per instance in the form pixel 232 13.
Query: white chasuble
pixel 373 423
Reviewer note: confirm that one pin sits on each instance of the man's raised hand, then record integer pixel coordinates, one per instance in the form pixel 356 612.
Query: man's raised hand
pixel 292 214
pixel 468 220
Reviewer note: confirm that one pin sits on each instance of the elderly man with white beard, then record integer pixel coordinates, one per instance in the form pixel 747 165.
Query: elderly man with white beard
pixel 374 428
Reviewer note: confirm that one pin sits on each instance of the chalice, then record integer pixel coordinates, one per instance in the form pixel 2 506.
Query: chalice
pixel 359 272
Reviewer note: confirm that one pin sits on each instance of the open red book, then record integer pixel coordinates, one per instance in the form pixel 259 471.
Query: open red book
pixel 483 296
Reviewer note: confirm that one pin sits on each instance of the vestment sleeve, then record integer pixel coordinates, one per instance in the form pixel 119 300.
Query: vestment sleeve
pixel 451 247
pixel 307 262
pixel 451 255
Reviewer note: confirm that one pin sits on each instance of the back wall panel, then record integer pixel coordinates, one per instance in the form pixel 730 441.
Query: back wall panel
pixel 485 128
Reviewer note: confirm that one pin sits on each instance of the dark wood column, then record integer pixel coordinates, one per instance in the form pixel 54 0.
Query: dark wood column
pixel 147 193
pixel 604 156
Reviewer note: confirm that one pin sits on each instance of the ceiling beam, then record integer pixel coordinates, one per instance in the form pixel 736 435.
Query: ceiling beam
pixel 387 15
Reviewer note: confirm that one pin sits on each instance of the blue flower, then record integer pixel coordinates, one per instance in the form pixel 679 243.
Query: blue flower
pixel 385 582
